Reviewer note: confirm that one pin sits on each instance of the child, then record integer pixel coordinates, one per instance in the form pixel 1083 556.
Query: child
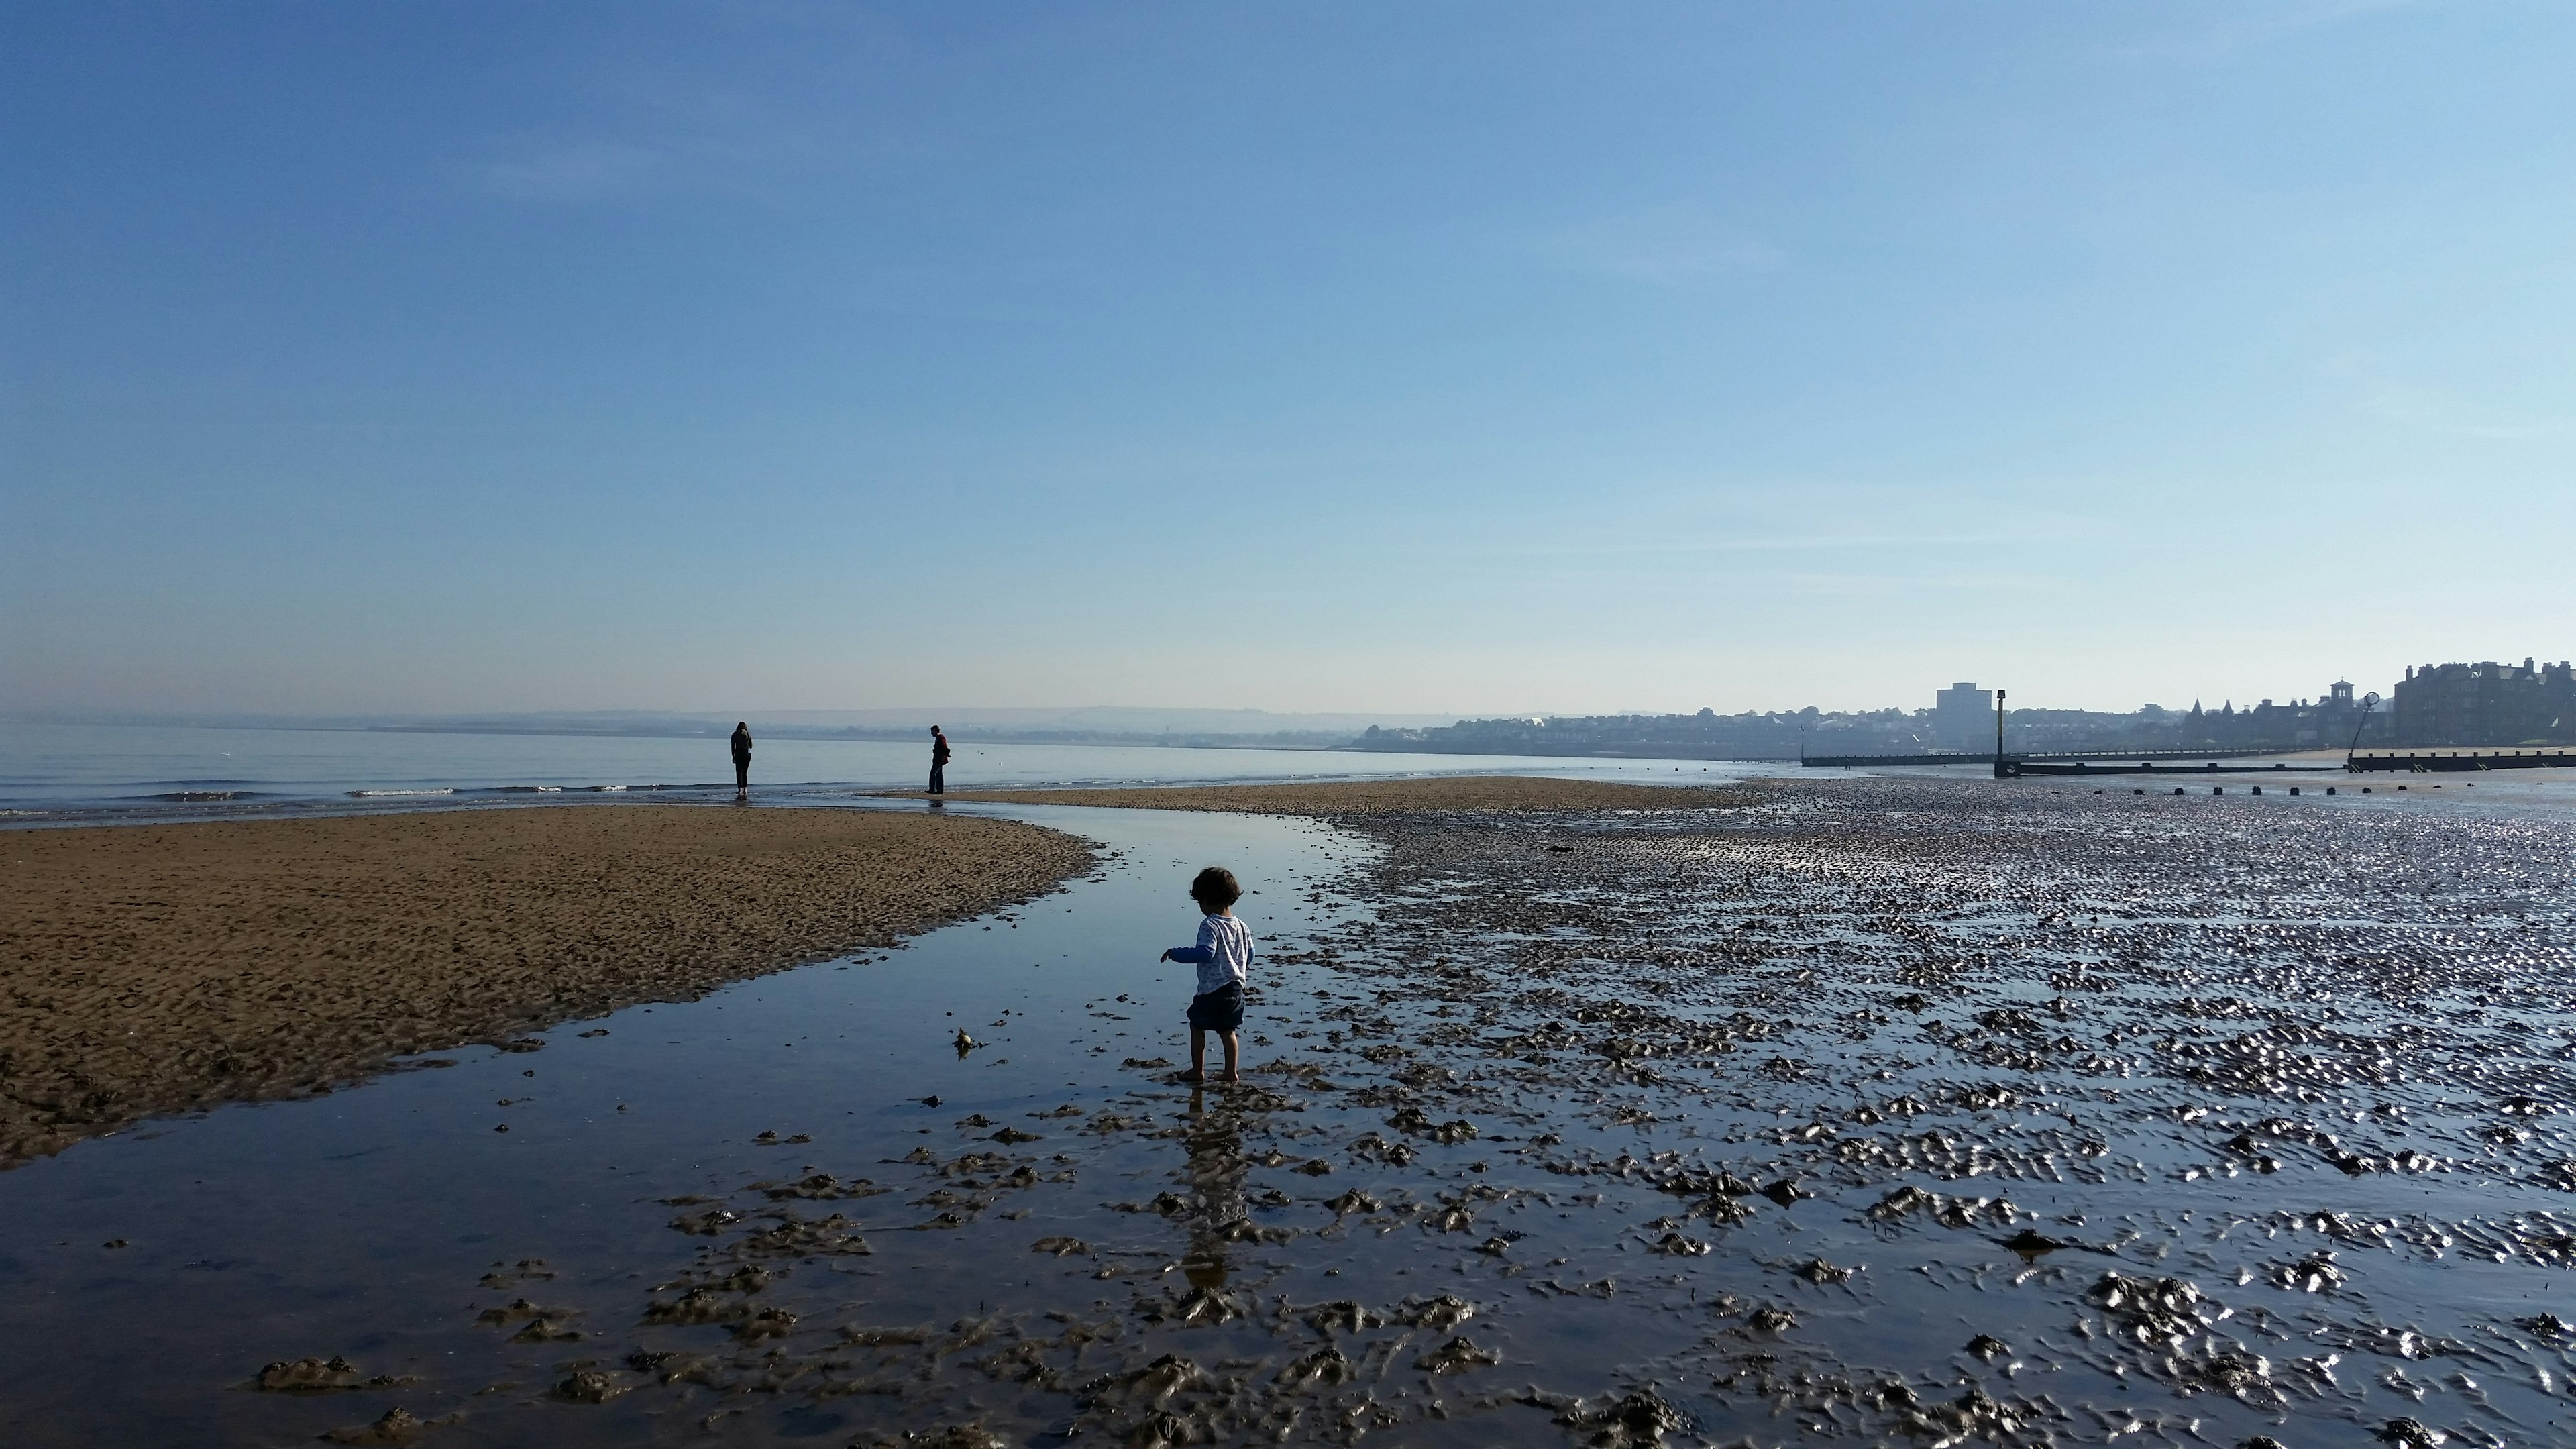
pixel 1224 958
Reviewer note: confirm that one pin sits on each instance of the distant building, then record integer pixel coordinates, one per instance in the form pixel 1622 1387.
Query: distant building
pixel 2333 720
pixel 2486 704
pixel 2444 705
pixel 1963 717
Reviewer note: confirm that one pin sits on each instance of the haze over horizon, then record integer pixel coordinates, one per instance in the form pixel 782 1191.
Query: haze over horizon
pixel 475 358
pixel 1143 718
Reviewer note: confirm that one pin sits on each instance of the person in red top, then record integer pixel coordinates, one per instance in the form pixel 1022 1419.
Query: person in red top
pixel 938 762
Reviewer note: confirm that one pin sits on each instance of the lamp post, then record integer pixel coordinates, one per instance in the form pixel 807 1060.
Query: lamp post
pixel 2369 702
pixel 2003 768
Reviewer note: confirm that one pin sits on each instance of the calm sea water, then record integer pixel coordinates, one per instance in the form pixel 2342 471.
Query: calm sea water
pixel 54 773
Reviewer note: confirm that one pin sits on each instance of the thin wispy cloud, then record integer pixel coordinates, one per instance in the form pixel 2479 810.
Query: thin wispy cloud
pixel 2234 29
pixel 2447 414
pixel 1798 543
pixel 576 171
pixel 652 135
pixel 1663 246
pixel 1887 586
pixel 1700 540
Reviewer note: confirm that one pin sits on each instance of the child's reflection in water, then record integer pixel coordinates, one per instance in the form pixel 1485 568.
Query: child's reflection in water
pixel 1216 1175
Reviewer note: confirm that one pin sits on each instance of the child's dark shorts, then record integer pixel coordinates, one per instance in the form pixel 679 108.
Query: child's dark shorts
pixel 1218 1010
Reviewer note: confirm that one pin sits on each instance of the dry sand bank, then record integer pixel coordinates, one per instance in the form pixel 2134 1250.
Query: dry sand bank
pixel 1384 797
pixel 145 969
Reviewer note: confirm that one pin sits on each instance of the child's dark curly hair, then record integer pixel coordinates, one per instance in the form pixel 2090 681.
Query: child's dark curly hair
pixel 1215 889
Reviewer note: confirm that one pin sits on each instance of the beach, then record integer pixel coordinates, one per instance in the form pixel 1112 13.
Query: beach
pixel 1842 1110
pixel 1358 798
pixel 150 969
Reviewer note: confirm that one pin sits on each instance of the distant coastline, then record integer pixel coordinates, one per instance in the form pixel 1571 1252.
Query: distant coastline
pixel 1281 740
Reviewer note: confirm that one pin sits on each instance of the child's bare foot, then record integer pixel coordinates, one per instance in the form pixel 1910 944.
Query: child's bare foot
pixel 1193 1076
pixel 1231 1077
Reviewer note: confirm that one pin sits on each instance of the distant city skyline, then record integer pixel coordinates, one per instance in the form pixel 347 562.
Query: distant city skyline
pixel 1409 359
pixel 1961 712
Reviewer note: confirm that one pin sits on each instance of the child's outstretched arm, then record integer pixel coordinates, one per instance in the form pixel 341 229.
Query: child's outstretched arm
pixel 1198 955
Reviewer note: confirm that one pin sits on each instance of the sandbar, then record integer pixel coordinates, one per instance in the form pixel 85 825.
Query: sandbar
pixel 148 969
pixel 1327 798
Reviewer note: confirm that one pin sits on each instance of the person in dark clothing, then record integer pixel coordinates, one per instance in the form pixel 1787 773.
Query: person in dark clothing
pixel 938 762
pixel 742 760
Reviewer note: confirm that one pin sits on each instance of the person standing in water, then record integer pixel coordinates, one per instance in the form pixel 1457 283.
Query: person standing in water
pixel 938 762
pixel 742 759
pixel 1224 958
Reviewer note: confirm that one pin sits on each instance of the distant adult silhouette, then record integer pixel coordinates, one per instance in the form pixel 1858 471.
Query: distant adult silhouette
pixel 742 760
pixel 938 762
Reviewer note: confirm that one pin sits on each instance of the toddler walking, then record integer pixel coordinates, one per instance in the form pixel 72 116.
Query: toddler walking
pixel 1224 958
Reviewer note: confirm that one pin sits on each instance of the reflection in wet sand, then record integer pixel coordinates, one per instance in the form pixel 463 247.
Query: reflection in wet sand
pixel 1216 1214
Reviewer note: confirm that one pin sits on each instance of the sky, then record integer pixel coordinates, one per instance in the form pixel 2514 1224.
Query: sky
pixel 1479 357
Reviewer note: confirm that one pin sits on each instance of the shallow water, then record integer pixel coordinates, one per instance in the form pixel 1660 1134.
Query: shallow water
pixel 1916 1112
pixel 73 774
pixel 362 1223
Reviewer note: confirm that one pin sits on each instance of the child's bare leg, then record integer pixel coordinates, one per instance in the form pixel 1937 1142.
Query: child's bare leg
pixel 1232 1048
pixel 1198 1056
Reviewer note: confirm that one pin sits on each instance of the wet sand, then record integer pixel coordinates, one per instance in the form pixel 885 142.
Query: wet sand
pixel 151 969
pixel 1519 794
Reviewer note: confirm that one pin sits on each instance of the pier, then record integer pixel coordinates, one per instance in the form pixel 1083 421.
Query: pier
pixel 2210 762
pixel 2145 758
pixel 2444 762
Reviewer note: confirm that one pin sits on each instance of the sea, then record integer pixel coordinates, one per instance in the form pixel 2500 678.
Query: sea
pixel 63 774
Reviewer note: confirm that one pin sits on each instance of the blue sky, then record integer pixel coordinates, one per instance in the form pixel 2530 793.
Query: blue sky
pixel 1478 357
